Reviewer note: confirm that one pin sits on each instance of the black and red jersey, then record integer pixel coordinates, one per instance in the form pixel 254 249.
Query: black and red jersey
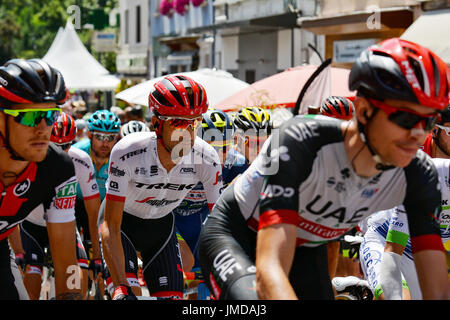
pixel 51 182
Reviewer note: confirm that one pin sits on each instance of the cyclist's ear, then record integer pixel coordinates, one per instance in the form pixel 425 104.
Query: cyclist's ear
pixel 155 122
pixel 435 131
pixel 363 109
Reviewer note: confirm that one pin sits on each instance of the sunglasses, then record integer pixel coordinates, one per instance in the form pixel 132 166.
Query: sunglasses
pixel 32 117
pixel 221 145
pixel 446 129
pixel 405 118
pixel 64 146
pixel 104 137
pixel 182 123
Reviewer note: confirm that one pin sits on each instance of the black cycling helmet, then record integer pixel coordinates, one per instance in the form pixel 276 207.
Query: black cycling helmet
pixel 217 120
pixel 30 81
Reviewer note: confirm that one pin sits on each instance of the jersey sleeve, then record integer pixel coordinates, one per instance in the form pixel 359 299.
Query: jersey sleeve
pixel 288 162
pixel 84 170
pixel 210 175
pixel 61 207
pixel 398 227
pixel 423 204
pixel 119 174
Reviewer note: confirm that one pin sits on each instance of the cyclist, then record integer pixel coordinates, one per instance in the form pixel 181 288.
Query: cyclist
pixel 186 254
pixel 33 230
pixel 253 126
pixel 437 144
pixel 103 133
pixel 387 238
pixel 150 174
pixel 30 92
pixel 321 178
pixel 218 130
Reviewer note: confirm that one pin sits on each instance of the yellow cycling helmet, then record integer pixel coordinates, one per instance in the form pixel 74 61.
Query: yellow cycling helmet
pixel 254 118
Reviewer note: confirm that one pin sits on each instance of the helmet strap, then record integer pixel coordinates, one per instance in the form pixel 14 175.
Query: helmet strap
pixel 379 164
pixel 158 131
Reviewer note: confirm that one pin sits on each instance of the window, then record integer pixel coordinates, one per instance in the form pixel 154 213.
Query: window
pixel 138 24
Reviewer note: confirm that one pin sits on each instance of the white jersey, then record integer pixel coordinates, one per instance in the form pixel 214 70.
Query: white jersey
pixel 84 172
pixel 137 177
pixel 396 221
pixel 400 223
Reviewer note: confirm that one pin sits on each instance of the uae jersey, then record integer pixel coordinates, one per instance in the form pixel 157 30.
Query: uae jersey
pixel 304 177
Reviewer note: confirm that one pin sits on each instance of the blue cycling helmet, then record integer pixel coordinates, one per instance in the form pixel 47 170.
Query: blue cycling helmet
pixel 104 121
pixel 218 120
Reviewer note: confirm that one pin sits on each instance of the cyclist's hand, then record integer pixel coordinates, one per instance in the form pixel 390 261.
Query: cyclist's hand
pixel 123 292
pixel 20 261
pixel 96 266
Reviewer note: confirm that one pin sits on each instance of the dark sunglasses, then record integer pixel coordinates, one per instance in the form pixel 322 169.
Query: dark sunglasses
pixel 32 117
pixel 105 137
pixel 405 118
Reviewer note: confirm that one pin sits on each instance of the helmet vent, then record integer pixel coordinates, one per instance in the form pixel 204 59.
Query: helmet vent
pixel 415 65
pixel 437 79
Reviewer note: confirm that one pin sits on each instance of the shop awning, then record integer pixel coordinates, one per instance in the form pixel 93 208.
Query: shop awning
pixel 390 18
pixel 431 30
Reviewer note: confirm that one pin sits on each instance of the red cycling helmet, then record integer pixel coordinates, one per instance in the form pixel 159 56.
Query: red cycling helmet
pixel 401 70
pixel 64 129
pixel 178 96
pixel 337 107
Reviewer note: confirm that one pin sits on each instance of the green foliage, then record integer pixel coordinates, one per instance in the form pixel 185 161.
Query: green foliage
pixel 28 27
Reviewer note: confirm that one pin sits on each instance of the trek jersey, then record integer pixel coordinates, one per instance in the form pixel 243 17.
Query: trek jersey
pixel 51 182
pixel 84 172
pixel 101 175
pixel 195 201
pixel 137 177
pixel 310 182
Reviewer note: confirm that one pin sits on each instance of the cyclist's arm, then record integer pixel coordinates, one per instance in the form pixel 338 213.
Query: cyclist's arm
pixel 423 206
pixel 279 217
pixel 116 192
pixel 15 241
pixel 112 241
pixel 85 172
pixel 67 273
pixel 92 206
pixel 274 254
pixel 433 281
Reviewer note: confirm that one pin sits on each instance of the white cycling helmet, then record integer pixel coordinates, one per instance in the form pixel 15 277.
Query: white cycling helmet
pixel 133 126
